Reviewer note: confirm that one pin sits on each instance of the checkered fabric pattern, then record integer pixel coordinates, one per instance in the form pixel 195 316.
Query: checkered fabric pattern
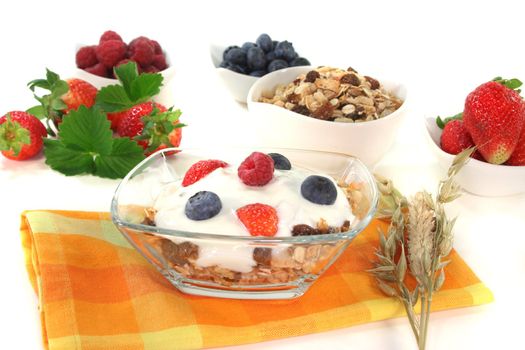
pixel 96 292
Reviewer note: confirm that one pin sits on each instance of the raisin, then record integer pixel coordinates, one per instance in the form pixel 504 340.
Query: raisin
pixel 351 79
pixel 304 230
pixel 324 112
pixel 296 81
pixel 293 98
pixel 374 84
pixel 350 69
pixel 263 256
pixel 346 226
pixel 311 76
pixel 179 253
pixel 301 110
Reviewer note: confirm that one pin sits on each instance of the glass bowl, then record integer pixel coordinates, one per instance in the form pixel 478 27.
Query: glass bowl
pixel 278 267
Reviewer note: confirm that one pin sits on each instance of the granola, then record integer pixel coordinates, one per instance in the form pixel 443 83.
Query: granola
pixel 334 94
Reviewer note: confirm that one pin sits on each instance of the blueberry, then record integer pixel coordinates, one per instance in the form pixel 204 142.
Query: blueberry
pixel 277 64
pixel 285 51
pixel 247 45
pixel 319 189
pixel 237 68
pixel 270 56
pixel 228 49
pixel 299 61
pixel 274 44
pixel 280 162
pixel 258 73
pixel 255 58
pixel 202 205
pixel 236 56
pixel 265 42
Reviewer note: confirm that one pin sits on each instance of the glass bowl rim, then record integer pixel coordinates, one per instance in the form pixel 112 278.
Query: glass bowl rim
pixel 329 237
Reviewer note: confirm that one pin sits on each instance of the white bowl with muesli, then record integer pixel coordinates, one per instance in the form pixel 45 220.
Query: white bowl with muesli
pixel 205 220
pixel 327 109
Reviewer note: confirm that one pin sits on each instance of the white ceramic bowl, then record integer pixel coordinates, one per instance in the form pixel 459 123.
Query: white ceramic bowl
pixel 478 177
pixel 237 84
pixel 277 126
pixel 163 97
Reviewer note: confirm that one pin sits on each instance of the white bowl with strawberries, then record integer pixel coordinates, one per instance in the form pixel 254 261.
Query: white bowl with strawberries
pixel 493 121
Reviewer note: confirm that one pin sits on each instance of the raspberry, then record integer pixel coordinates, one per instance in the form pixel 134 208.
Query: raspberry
pixel 86 57
pixel 98 69
pixel 141 51
pixel 159 61
pixel 259 219
pixel 110 52
pixel 256 170
pixel 200 169
pixel 109 35
pixel 156 47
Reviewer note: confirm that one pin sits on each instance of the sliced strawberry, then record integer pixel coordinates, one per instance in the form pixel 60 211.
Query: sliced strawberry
pixel 21 135
pixel 200 169
pixel 259 219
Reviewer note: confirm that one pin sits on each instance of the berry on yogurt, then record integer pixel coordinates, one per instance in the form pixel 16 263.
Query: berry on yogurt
pixel 319 190
pixel 203 205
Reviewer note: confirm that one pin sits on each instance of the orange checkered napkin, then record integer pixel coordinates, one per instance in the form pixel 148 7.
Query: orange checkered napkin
pixel 97 292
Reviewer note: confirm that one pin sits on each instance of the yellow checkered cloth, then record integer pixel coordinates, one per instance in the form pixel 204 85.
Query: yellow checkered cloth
pixel 97 292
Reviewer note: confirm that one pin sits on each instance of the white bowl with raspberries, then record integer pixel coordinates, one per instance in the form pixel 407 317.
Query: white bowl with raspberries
pixel 278 126
pixel 95 63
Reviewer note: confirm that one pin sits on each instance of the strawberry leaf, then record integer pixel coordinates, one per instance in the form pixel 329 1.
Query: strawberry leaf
pixel 126 74
pixel 125 154
pixel 442 122
pixel 513 84
pixel 85 146
pixel 37 111
pixel 113 98
pixel 145 86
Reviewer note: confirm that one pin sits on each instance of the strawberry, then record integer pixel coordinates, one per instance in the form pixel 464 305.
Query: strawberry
pixel 494 116
pixel 21 135
pixel 455 138
pixel 259 219
pixel 518 156
pixel 152 125
pixel 200 169
pixel 80 93
pixel 63 97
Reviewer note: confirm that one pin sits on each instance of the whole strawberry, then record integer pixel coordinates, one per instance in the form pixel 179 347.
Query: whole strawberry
pixel 21 135
pixel 455 138
pixel 64 96
pixel 152 125
pixel 494 116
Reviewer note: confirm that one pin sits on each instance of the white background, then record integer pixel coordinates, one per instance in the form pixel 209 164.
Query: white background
pixel 441 50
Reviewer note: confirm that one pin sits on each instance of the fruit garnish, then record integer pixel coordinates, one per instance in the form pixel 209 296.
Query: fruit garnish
pixel 494 116
pixel 203 205
pixel 256 169
pixel 319 190
pixel 259 219
pixel 85 145
pixel 455 137
pixel 21 135
pixel 200 169
pixel 64 96
pixel 280 162
pixel 152 125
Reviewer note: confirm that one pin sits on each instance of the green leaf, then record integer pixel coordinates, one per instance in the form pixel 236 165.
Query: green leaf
pixel 58 105
pixel 66 160
pixel 442 122
pixel 52 77
pixel 41 83
pixel 86 129
pixel 145 86
pixel 126 74
pixel 37 111
pixel 125 155
pixel 513 84
pixel 59 88
pixel 113 98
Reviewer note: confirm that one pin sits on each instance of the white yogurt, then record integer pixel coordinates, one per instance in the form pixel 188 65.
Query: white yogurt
pixel 283 193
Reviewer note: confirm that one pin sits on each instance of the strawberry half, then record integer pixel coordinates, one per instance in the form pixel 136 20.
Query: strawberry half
pixel 152 125
pixel 494 116
pixel 259 219
pixel 21 135
pixel 200 169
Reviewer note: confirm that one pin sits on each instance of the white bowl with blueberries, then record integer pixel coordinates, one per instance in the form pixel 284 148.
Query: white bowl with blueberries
pixel 239 67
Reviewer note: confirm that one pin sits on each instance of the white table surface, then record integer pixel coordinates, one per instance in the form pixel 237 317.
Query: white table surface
pixel 441 51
